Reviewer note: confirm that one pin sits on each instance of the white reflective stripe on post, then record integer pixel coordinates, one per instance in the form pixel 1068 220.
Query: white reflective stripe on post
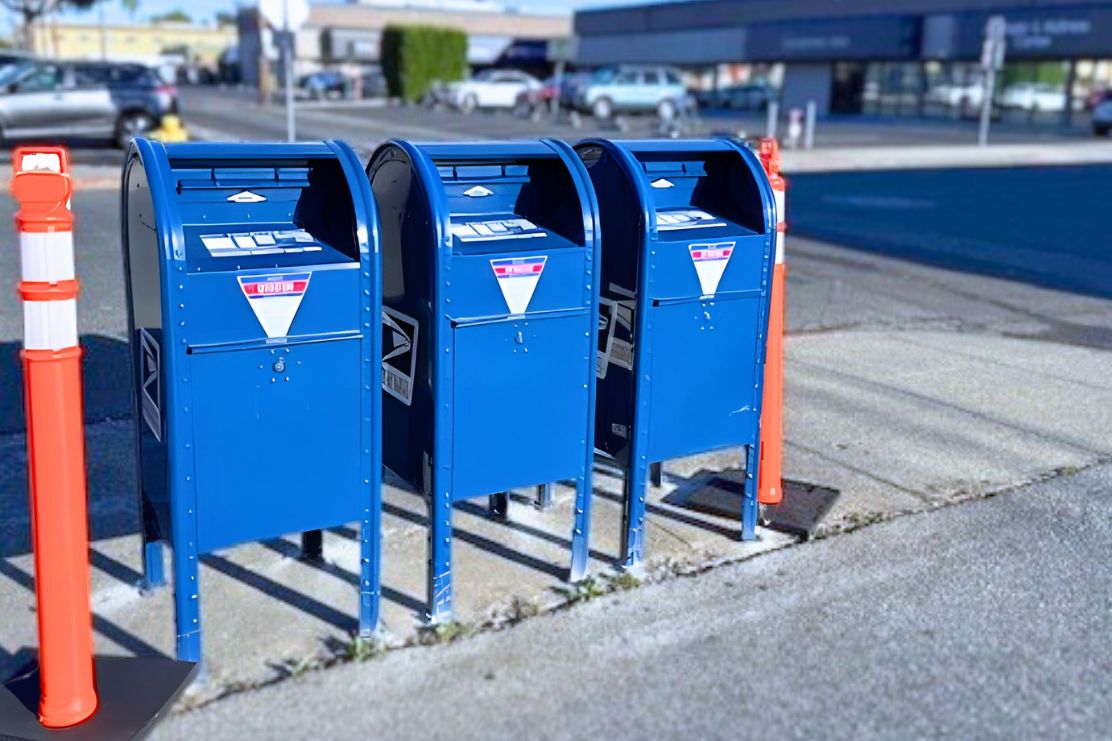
pixel 50 325
pixel 47 257
pixel 781 226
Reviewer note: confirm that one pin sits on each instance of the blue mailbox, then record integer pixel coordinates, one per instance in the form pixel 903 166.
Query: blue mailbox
pixel 490 311
pixel 253 292
pixel 688 230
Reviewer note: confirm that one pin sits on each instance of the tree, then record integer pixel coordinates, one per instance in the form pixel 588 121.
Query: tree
pixel 174 16
pixel 29 11
pixel 224 18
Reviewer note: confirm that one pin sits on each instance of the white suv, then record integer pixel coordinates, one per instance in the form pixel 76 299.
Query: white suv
pixel 631 88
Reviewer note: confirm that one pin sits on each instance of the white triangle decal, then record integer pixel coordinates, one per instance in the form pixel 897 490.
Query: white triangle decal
pixel 710 262
pixel 478 192
pixel 517 278
pixel 275 299
pixel 662 183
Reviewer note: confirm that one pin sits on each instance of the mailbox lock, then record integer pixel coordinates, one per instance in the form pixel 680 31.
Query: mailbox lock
pixel 280 365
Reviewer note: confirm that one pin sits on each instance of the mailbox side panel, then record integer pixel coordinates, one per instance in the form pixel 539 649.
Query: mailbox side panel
pixel 144 290
pixel 408 248
pixel 622 227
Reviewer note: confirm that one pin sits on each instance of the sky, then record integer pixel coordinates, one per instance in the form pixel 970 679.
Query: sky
pixel 205 10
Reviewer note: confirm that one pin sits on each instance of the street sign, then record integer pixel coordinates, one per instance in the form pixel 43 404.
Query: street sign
pixel 992 60
pixel 285 15
pixel 992 52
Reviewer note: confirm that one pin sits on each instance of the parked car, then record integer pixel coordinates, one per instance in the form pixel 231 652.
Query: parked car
pixel 492 88
pixel 57 100
pixel 537 100
pixel 748 97
pixel 1102 118
pixel 373 83
pixel 1096 97
pixel 633 88
pixel 323 84
pixel 1033 96
pixel 960 96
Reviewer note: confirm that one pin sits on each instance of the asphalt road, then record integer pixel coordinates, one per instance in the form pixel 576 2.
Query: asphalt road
pixel 986 620
pixel 231 113
pixel 1049 226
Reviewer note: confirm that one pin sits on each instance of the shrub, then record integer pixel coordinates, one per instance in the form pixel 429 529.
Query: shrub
pixel 413 57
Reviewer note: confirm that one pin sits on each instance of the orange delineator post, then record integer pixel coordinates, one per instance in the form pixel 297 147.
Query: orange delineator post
pixel 55 435
pixel 770 488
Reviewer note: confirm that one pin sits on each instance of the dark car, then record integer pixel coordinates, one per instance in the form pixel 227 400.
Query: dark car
pixel 373 83
pixel 64 100
pixel 324 84
pixel 749 97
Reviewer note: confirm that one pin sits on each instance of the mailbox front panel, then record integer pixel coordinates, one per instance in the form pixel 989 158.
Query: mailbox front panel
pixel 699 399
pixel 267 461
pixel 521 402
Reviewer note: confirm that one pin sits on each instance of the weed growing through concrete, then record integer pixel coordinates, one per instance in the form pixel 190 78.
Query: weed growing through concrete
pixel 432 635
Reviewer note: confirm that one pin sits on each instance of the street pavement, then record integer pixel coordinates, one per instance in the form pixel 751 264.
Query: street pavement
pixel 987 620
pixel 913 382
pixel 1040 225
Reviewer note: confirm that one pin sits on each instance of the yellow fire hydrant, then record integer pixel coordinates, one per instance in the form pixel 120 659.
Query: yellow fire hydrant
pixel 171 130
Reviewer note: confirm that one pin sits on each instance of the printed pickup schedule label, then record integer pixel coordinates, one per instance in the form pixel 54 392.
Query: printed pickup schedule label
pixel 275 242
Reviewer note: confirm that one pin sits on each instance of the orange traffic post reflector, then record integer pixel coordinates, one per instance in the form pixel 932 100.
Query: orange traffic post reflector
pixel 770 488
pixel 55 435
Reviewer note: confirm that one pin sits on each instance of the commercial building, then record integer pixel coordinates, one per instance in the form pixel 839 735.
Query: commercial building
pixel 348 36
pixel 150 43
pixel 911 58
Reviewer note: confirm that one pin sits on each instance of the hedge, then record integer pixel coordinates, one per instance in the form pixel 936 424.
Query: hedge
pixel 413 57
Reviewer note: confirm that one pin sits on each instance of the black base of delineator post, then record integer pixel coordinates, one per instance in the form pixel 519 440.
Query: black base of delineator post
pixel 134 695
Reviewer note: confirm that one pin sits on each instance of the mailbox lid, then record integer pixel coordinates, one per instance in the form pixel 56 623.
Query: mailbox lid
pixel 270 239
pixel 520 227
pixel 709 216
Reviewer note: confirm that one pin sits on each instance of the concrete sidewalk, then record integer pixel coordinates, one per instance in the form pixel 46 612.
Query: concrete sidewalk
pixel 987 620
pixel 908 388
pixel 920 157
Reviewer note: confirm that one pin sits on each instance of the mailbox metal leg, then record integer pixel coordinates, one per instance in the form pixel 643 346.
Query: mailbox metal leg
pixel 633 532
pixel 312 545
pixel 749 500
pixel 370 572
pixel 187 605
pixel 499 504
pixel 544 496
pixel 154 570
pixel 440 555
pixel 656 471
pixel 580 544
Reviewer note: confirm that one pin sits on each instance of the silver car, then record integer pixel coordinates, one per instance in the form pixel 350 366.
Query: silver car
pixel 44 99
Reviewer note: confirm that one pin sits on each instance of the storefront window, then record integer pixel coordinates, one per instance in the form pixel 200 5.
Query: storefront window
pixel 893 89
pixel 1033 92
